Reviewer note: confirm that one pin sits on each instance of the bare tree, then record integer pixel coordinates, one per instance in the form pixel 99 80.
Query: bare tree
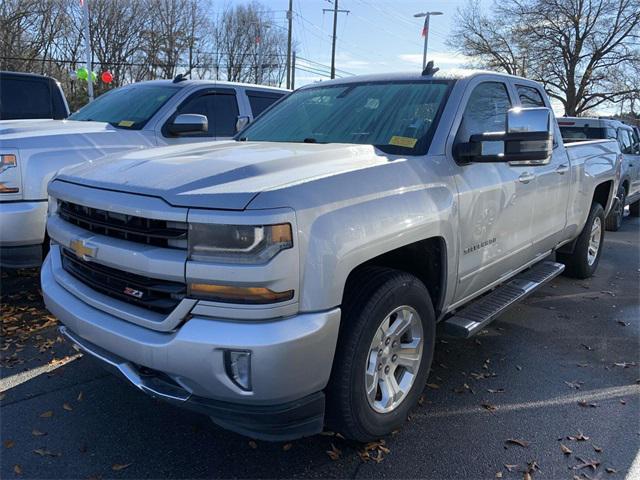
pixel 574 47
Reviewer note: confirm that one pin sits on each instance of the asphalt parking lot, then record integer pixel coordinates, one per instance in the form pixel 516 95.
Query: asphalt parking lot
pixel 550 390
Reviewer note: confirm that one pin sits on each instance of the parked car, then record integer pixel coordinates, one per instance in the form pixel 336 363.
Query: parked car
pixel 583 128
pixel 293 278
pixel 29 96
pixel 136 116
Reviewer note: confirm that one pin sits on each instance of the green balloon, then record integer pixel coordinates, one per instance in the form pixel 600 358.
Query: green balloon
pixel 94 77
pixel 82 73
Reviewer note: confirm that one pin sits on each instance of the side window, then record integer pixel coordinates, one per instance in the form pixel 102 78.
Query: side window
pixel 530 97
pixel 225 114
pixel 201 105
pixel 624 139
pixel 260 101
pixel 486 110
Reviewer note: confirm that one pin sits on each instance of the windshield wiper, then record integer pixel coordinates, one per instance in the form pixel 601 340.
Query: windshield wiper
pixel 310 140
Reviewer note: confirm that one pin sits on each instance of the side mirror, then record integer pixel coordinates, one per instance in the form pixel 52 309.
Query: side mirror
pixel 529 138
pixel 188 124
pixel 242 122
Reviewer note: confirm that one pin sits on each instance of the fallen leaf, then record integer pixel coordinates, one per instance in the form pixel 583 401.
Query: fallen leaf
pixel 574 384
pixel 433 386
pixel 47 414
pixel 489 407
pixel 116 467
pixel 498 390
pixel 587 347
pixel 580 437
pixel 597 449
pixel 526 476
pixel 8 443
pixel 17 469
pixel 584 403
pixel 610 470
pixel 334 453
pixel 515 441
pixel 624 324
pixel 593 464
pixel 287 446
pixel 511 468
pixel 623 402
pixel 67 407
pixel 518 367
pixel 253 444
pixel 498 474
pixel 37 433
pixel 43 452
pixel 566 450
pixel 80 395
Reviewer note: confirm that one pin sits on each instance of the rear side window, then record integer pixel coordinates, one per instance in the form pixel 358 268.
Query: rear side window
pixel 530 97
pixel 486 110
pixel 260 101
pixel 25 98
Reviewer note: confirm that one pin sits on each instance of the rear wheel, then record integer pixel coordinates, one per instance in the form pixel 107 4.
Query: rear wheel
pixel 583 262
pixel 384 353
pixel 634 209
pixel 616 215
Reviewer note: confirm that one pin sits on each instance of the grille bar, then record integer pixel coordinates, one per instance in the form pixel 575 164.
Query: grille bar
pixel 154 294
pixel 126 227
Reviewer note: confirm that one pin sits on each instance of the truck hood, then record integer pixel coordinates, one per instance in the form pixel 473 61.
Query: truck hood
pixel 220 175
pixel 11 130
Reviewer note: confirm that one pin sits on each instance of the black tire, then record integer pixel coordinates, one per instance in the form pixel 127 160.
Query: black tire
pixel 370 297
pixel 577 263
pixel 616 215
pixel 634 209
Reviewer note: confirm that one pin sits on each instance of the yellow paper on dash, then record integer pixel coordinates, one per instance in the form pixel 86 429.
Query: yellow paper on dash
pixel 407 142
pixel 126 123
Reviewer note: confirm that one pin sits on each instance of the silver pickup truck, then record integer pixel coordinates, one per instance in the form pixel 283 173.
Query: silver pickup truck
pixel 292 278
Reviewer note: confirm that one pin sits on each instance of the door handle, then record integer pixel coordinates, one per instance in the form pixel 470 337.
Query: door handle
pixel 526 177
pixel 562 169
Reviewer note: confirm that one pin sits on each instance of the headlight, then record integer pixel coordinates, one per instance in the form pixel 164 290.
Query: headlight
pixel 9 179
pixel 246 244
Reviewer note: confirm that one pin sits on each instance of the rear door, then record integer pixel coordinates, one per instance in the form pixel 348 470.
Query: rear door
pixel 553 181
pixel 496 200
pixel 631 159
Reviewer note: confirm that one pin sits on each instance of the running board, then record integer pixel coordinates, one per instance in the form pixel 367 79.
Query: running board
pixel 470 320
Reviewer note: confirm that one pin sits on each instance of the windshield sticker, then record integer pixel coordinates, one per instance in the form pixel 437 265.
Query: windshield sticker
pixel 407 142
pixel 126 123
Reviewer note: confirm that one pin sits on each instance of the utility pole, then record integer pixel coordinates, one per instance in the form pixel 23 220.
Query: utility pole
pixel 290 18
pixel 293 71
pixel 335 11
pixel 425 33
pixel 87 42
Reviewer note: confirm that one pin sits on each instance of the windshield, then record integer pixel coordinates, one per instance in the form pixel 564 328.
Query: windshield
pixel 127 107
pixel 397 117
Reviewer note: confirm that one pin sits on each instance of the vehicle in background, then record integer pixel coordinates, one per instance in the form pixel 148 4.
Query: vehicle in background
pixel 293 278
pixel 30 96
pixel 576 129
pixel 140 115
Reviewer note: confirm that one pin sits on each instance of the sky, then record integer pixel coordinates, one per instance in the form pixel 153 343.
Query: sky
pixel 376 36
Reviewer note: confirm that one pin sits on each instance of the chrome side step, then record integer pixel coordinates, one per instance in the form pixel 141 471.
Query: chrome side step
pixel 470 320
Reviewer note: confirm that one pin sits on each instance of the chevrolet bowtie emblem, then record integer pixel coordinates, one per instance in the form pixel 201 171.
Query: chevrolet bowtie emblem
pixel 81 249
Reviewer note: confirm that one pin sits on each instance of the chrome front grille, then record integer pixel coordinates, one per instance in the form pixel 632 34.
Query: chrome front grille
pixel 158 295
pixel 148 231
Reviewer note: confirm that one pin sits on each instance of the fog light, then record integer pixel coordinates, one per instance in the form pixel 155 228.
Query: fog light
pixel 238 367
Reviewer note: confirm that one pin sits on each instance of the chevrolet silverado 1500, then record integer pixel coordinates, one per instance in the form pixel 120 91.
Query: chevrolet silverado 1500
pixel 141 115
pixel 292 278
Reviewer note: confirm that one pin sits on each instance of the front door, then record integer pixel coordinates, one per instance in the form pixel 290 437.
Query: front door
pixel 495 201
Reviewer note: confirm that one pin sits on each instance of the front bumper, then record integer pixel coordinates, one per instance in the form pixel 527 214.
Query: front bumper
pixel 186 365
pixel 22 229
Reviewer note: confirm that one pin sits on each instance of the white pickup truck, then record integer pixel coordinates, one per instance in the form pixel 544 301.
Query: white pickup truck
pixel 293 278
pixel 136 116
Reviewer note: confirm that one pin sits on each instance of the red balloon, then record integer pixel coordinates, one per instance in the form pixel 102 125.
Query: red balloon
pixel 106 77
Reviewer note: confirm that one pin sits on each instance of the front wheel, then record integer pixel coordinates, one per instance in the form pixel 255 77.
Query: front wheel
pixel 616 215
pixel 384 353
pixel 583 262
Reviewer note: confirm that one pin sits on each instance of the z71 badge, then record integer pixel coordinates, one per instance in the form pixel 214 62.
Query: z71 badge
pixel 132 292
